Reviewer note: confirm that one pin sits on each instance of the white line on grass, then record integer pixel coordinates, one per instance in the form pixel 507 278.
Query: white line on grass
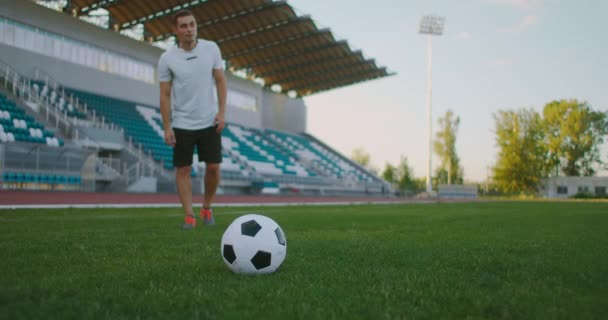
pixel 177 205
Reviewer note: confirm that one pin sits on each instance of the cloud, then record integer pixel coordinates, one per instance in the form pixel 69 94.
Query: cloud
pixel 525 23
pixel 519 4
pixel 463 35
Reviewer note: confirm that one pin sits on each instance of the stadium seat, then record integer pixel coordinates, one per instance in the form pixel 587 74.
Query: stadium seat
pixel 19 126
pixel 252 147
pixel 327 162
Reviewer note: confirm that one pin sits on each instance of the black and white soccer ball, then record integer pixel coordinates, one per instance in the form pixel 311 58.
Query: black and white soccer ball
pixel 253 244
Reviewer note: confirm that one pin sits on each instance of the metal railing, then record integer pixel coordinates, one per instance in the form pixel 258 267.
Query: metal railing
pixel 146 159
pixel 22 87
pixel 92 119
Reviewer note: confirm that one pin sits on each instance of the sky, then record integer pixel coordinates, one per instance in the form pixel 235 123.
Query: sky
pixel 493 55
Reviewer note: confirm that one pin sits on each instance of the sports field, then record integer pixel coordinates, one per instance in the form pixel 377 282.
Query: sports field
pixel 505 260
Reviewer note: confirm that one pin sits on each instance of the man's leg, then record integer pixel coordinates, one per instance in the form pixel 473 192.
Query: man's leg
pixel 212 180
pixel 211 145
pixel 184 190
pixel 185 140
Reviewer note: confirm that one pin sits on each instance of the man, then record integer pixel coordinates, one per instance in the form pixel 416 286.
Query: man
pixel 187 72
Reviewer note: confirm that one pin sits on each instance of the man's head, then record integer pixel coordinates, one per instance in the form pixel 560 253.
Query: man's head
pixel 184 26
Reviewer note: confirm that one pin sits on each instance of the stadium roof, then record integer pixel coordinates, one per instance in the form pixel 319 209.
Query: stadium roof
pixel 264 38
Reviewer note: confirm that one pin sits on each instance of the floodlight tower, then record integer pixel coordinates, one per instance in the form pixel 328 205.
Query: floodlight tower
pixel 430 25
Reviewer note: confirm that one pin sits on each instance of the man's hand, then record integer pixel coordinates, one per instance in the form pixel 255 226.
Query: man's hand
pixel 170 137
pixel 220 122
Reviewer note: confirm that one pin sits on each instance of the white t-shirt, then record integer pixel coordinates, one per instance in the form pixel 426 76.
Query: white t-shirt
pixel 191 75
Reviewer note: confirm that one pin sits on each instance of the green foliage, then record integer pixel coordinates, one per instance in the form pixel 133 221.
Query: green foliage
pixel 583 195
pixel 361 157
pixel 532 260
pixel 565 140
pixel 449 170
pixel 419 183
pixel 400 176
pixel 574 134
pixel 441 177
pixel 405 176
pixel 522 156
pixel 588 195
pixel 364 159
pixel 389 174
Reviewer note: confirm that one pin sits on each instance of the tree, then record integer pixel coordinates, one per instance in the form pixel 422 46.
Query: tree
pixel 574 133
pixel 522 157
pixel 389 174
pixel 404 176
pixel 400 176
pixel 363 158
pixel 419 184
pixel 442 177
pixel 449 170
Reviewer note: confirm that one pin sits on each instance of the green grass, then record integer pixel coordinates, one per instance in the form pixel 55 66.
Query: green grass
pixel 512 260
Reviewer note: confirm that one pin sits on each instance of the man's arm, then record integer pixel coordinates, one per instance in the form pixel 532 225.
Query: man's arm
pixel 165 111
pixel 220 84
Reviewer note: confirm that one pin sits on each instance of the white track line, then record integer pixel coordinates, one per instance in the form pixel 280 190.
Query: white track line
pixel 177 205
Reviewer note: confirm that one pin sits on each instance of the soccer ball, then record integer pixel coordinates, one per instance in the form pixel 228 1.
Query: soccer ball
pixel 253 244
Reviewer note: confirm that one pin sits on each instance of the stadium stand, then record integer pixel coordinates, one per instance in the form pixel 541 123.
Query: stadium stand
pixel 326 161
pixel 143 126
pixel 92 105
pixel 17 126
pixel 263 156
pixel 57 99
pixel 247 152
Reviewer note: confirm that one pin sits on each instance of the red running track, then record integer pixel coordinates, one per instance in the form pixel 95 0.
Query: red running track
pixel 32 198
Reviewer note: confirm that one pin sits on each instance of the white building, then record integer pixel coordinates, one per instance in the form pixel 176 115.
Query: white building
pixel 565 187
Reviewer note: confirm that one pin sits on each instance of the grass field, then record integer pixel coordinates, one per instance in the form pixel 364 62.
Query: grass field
pixel 513 260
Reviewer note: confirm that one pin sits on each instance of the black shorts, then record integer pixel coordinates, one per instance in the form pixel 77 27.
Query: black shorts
pixel 207 141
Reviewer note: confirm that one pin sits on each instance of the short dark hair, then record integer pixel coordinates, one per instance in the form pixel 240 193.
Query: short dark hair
pixel 182 13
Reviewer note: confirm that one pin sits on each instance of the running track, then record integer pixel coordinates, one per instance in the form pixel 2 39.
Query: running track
pixel 10 199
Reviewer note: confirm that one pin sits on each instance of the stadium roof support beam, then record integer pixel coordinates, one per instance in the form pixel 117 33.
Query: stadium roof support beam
pixel 112 23
pixel 307 65
pixel 330 83
pixel 263 31
pixel 296 54
pixel 321 71
pixel 233 16
pixel 337 75
pixel 263 38
pixel 69 8
pixel 160 14
pixel 270 46
pixel 228 19
pixel 366 73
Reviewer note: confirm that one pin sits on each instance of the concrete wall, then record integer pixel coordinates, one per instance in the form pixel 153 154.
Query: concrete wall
pixel 249 118
pixel 283 113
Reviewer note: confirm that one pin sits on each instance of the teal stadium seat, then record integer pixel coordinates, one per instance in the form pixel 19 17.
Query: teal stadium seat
pixel 328 162
pixel 260 153
pixel 25 122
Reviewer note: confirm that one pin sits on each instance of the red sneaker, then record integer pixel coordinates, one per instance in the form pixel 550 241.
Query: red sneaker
pixel 207 216
pixel 189 222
